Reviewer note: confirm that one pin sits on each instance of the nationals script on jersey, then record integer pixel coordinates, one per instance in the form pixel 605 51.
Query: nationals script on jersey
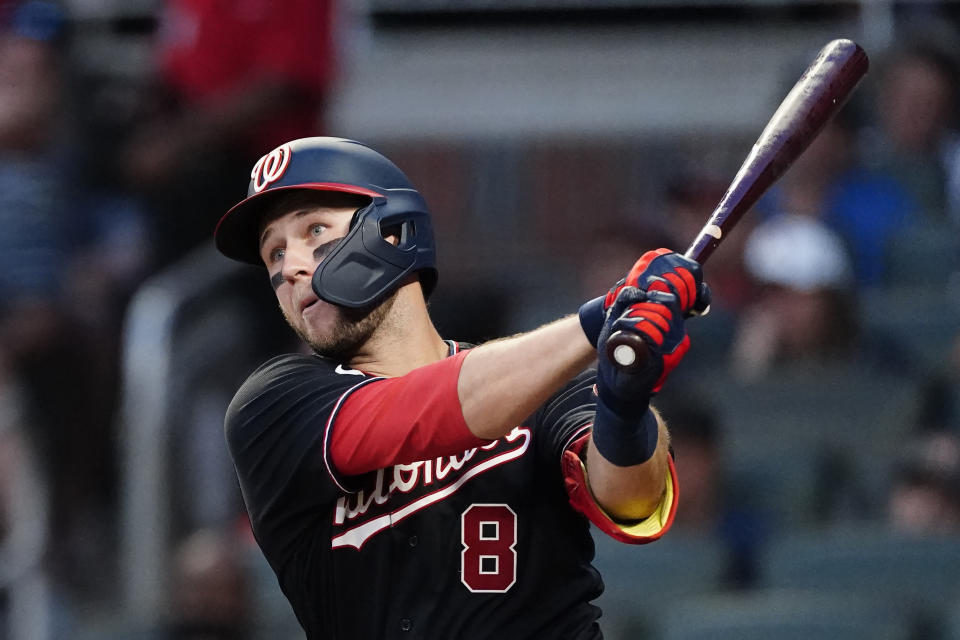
pixel 468 544
pixel 424 483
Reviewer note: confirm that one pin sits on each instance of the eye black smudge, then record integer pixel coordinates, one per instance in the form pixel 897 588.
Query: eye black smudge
pixel 319 254
pixel 324 250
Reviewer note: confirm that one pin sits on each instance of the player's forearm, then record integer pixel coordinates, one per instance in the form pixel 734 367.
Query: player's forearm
pixel 629 493
pixel 503 382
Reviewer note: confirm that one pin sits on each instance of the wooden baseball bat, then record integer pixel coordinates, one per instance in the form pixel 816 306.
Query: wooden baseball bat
pixel 819 94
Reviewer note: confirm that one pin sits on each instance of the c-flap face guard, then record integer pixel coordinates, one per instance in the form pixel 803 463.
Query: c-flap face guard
pixel 364 267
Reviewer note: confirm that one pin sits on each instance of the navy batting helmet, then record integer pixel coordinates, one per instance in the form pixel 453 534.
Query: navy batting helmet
pixel 363 268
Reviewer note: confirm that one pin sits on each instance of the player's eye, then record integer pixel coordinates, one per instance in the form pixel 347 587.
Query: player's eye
pixel 317 229
pixel 277 255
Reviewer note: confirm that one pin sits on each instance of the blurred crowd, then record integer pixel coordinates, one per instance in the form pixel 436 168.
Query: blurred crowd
pixel 852 262
pixel 94 200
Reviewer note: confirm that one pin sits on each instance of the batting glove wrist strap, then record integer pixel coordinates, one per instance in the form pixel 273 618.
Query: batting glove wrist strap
pixel 592 316
pixel 624 441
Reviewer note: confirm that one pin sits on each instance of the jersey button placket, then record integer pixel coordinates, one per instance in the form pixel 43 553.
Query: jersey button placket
pixel 406 624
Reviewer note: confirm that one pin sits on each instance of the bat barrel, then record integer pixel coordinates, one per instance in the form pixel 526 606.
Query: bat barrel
pixel 816 97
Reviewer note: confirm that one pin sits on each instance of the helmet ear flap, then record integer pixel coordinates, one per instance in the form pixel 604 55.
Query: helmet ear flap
pixel 395 229
pixel 404 232
pixel 365 267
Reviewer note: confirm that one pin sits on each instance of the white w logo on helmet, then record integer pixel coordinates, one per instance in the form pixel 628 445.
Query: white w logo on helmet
pixel 270 167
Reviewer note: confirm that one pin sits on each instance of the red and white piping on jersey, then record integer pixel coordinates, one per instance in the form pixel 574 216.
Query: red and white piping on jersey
pixel 573 438
pixel 357 536
pixel 326 430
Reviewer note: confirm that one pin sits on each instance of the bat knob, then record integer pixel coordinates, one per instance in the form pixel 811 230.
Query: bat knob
pixel 624 355
pixel 627 351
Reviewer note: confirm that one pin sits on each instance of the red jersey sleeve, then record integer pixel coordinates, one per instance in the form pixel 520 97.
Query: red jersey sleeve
pixel 401 420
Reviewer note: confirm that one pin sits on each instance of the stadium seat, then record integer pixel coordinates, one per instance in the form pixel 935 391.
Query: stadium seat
pixel 924 253
pixel 916 574
pixel 781 615
pixel 640 580
pixel 837 404
pixel 951 622
pixel 783 484
pixel 798 438
pixel 920 319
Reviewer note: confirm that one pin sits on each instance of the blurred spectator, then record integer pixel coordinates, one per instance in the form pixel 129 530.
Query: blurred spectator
pixel 695 439
pixel 925 496
pixel 940 398
pixel 823 236
pixel 690 199
pixel 234 80
pixel 210 591
pixel 613 251
pixel 866 206
pixel 210 594
pixel 915 142
pixel 806 311
pixel 66 264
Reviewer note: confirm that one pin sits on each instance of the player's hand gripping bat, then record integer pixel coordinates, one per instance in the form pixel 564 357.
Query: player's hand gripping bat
pixel 819 93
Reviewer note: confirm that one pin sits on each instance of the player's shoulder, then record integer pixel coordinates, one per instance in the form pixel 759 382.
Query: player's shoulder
pixel 289 377
pixel 299 368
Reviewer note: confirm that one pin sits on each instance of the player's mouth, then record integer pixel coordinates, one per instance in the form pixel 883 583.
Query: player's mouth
pixel 308 302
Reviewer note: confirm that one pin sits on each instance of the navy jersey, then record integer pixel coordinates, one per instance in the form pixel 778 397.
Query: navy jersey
pixel 481 543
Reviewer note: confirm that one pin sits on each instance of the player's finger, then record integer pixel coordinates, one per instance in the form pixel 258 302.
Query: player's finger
pixel 647 327
pixel 667 299
pixel 614 293
pixel 641 265
pixel 673 284
pixel 686 287
pixel 657 314
pixel 658 283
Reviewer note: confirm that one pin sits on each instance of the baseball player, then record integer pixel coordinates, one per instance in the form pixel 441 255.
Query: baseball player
pixel 403 485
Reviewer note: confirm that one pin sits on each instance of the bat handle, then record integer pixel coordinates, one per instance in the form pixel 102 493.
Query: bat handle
pixel 627 351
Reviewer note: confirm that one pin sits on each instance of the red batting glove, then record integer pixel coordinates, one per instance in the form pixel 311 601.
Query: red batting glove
pixel 660 270
pixel 667 271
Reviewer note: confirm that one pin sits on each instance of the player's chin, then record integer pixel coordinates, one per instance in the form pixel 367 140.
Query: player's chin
pixel 341 344
pixel 329 333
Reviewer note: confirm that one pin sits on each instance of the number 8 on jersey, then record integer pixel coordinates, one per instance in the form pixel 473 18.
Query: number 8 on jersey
pixel 488 562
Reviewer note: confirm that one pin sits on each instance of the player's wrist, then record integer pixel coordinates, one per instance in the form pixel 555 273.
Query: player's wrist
pixel 592 316
pixel 624 440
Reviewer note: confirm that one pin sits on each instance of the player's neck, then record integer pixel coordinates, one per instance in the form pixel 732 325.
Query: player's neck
pixel 405 340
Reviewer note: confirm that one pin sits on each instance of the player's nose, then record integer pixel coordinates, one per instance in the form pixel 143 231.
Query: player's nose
pixel 298 262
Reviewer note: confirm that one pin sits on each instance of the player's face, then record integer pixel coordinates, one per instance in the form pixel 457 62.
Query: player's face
pixel 291 247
